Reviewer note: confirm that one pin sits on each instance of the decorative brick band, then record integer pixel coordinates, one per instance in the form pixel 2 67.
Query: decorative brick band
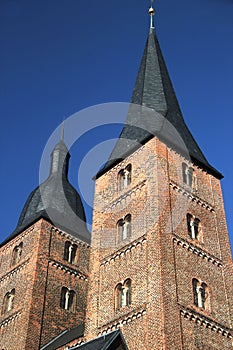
pixel 16 270
pixel 192 197
pixel 125 195
pixel 197 251
pixel 111 326
pixel 20 236
pixel 71 238
pixel 206 322
pixel 125 250
pixel 124 162
pixel 68 269
pixel 9 319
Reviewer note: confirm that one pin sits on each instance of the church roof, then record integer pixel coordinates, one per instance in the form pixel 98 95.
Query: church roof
pixel 56 200
pixel 155 111
pixel 111 341
pixel 65 337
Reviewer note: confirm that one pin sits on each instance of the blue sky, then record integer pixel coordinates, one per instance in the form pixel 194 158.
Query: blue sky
pixel 60 56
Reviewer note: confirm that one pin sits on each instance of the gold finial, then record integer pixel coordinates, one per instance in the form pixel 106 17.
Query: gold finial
pixel 151 12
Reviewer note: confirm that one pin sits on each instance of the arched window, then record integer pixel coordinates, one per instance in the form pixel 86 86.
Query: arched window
pixel 118 296
pixel 194 226
pixel 201 295
pixel 124 228
pixel 8 301
pixel 189 224
pixel 17 253
pixel 195 182
pixel 123 294
pixel 184 173
pixel 67 301
pixel 124 177
pixel 70 252
pixel 127 292
pixel 189 177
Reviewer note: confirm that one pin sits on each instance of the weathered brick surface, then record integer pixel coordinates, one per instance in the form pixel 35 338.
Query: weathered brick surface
pixel 159 257
pixel 162 267
pixel 38 279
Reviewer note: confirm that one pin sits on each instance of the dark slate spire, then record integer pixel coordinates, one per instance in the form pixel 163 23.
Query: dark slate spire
pixel 159 114
pixel 56 199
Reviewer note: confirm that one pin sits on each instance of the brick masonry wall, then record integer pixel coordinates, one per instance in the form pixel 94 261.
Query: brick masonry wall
pixel 42 272
pixel 159 257
pixel 196 336
pixel 162 269
pixel 21 278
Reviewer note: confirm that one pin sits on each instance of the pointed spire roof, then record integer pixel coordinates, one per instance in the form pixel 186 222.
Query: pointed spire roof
pixel 160 114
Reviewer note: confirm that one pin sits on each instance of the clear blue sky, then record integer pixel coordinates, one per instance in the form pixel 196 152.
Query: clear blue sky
pixel 60 56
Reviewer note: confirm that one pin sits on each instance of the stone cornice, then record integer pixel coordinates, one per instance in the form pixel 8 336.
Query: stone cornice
pixel 124 196
pixel 123 251
pixel 206 322
pixel 197 251
pixel 10 318
pixel 14 271
pixel 68 269
pixel 191 196
pixel 122 320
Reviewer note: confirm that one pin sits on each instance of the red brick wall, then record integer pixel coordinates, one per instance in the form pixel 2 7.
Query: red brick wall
pixel 162 267
pixel 38 287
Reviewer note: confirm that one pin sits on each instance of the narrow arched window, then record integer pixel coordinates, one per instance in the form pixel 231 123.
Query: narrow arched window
pixel 120 229
pixel 17 254
pixel 194 227
pixel 184 173
pixel 205 296
pixel 201 294
pixel 127 292
pixel 195 185
pixel 67 301
pixel 195 283
pixel 124 177
pixel 70 252
pixel 128 174
pixel 118 296
pixel 123 294
pixel 8 301
pixel 189 177
pixel 124 228
pixel 189 224
pixel 127 227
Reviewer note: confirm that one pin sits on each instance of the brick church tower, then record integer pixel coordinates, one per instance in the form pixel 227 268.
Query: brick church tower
pixel 158 273
pixel 162 267
pixel 44 264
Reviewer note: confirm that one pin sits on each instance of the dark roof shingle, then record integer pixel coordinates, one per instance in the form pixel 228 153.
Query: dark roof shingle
pixel 155 111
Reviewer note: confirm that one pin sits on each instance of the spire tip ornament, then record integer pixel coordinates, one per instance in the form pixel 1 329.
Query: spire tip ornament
pixel 151 12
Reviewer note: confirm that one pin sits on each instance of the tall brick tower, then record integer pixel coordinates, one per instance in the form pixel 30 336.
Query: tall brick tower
pixel 161 261
pixel 44 264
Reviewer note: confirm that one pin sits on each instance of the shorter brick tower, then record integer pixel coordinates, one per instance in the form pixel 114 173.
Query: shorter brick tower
pixel 44 264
